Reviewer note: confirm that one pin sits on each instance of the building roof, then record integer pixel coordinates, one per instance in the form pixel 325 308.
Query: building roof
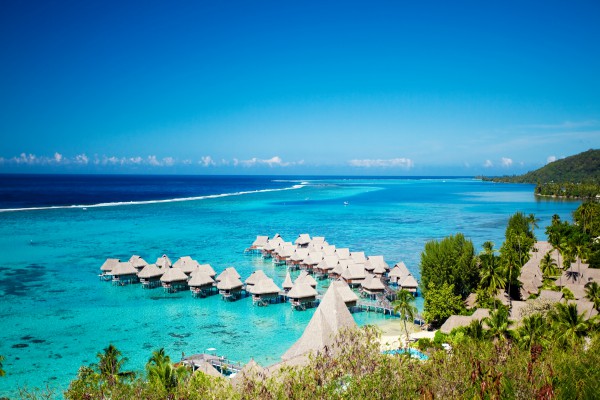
pixel 187 264
pixel 378 261
pixel 255 277
pixel 259 242
pixel 150 271
pixel 173 275
pixel 456 321
pixel 249 371
pixel 585 307
pixel 287 282
pixel 409 282
pixel 264 286
pixel 207 368
pixel 200 278
pixel 354 272
pixel 303 239
pixel 137 262
pixel 109 264
pixel 299 254
pixel 343 253
pixel 550 295
pixel 228 271
pixel 358 257
pixel 306 278
pixel 163 262
pixel 344 291
pixel 124 268
pixel 301 290
pixel 329 318
pixel 328 250
pixel 372 282
pixel 206 268
pixel 471 300
pixel 229 282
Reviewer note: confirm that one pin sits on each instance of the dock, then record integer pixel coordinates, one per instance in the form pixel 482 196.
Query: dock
pixel 221 364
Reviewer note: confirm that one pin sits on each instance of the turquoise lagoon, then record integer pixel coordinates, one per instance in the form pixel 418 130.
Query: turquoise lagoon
pixel 55 313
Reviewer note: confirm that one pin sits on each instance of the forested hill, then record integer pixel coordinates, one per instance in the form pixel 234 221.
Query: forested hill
pixel 580 168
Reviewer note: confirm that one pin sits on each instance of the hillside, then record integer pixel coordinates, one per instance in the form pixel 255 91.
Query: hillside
pixel 580 168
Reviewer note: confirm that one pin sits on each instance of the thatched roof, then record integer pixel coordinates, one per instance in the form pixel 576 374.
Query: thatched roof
pixel 372 282
pixel 207 368
pixel 137 262
pixel 306 278
pixel 578 290
pixel 186 264
pixel 328 263
pixel 163 262
pixel 345 292
pixel 301 290
pixel 551 295
pixel 314 258
pixel 328 250
pixel 318 241
pixel 200 278
pixel 354 272
pixel 109 264
pixel 303 239
pixel 150 271
pixel 329 318
pixel 229 282
pixel 264 286
pixel 173 275
pixel 343 253
pixel 286 251
pixel 456 321
pixel 260 242
pixel 287 282
pixel 255 277
pixel 471 300
pixel 299 254
pixel 272 244
pixel 358 257
pixel 249 371
pixel 124 268
pixel 409 282
pixel 207 269
pixel 228 271
pixel 516 311
pixel 531 282
pixel 480 314
pixel 585 307
pixel 376 261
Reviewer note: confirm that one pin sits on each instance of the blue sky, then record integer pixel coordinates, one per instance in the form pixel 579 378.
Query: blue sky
pixel 382 88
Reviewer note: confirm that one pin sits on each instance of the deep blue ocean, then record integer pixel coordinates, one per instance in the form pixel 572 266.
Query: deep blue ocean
pixel 57 230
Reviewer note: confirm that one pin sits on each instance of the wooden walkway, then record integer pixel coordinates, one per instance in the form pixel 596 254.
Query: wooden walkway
pixel 221 364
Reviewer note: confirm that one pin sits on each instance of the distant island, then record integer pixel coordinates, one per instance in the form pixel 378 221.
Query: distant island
pixel 575 177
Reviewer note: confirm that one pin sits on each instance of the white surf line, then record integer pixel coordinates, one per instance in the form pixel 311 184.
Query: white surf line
pixel 142 202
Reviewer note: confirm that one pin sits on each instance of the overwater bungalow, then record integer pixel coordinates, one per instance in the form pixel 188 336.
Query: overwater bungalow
pixel 409 283
pixel 283 253
pixel 271 245
pixel 230 287
pixel 124 273
pixel 255 277
pixel 258 244
pixel 328 250
pixel 350 298
pixel 264 292
pixel 206 268
pixel 372 286
pixel 313 259
pixel 398 273
pixel 358 257
pixel 378 271
pixel 107 267
pixel 186 264
pixel 317 242
pixel 303 240
pixel 296 259
pixel 163 262
pixel 322 269
pixel 228 271
pixel 353 274
pixel 150 276
pixel 174 280
pixel 377 262
pixel 337 270
pixel 287 282
pixel 201 284
pixel 306 278
pixel 302 295
pixel 138 262
pixel 343 253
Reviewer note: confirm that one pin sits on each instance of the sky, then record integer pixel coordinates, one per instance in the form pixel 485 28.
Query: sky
pixel 297 87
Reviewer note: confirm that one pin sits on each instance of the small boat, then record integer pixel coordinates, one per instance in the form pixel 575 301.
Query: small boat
pixel 346 203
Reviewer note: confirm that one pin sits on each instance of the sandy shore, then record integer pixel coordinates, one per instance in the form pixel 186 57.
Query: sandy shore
pixel 393 333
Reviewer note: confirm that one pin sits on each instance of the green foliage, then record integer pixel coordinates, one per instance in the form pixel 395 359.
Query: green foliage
pixel 498 324
pixel 441 302
pixel 570 327
pixel 587 217
pixel 592 293
pixel 450 261
pixel 567 294
pixel 514 253
pixel 492 274
pixel 2 372
pixel 548 265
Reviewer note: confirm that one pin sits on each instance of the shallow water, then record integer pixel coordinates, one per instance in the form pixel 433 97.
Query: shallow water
pixel 56 314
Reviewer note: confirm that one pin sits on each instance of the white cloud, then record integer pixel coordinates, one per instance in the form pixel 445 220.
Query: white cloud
pixel 153 161
pixel 81 159
pixel 488 164
pixel 271 162
pixel 168 161
pixel 393 162
pixel 135 160
pixel 206 161
pixel 506 162
pixel 58 157
pixel 550 159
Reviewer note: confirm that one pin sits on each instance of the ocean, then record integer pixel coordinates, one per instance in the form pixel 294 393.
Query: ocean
pixel 57 230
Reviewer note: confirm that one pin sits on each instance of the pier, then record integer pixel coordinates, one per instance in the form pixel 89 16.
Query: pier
pixel 221 364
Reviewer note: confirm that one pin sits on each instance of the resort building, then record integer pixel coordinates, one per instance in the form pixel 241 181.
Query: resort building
pixel 264 292
pixel 456 321
pixel 328 250
pixel 283 253
pixel 150 276
pixel 329 318
pixel 314 258
pixel 258 244
pixel 207 269
pixel 306 278
pixel 353 274
pixel 201 284
pixel 343 254
pixel 398 273
pixel 372 286
pixel 303 240
pixel 300 254
pixel 376 265
pixel 255 277
pixel 228 271
pixel 302 295
pixel 327 264
pixel 186 264
pixel 138 262
pixel 174 280
pixel 358 257
pixel 409 283
pixel 271 245
pixel 124 273
pixel 163 262
pixel 317 242
pixel 348 296
pixel 287 283
pixel 230 287
pixel 107 267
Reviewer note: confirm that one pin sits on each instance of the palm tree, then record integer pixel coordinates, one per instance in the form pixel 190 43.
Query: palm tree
pixel 492 275
pixel 548 265
pixel 592 293
pixel 2 372
pixel 569 326
pixel 160 370
pixel 533 222
pixel 110 363
pixel 532 330
pixel 404 305
pixel 498 324
pixel 475 329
